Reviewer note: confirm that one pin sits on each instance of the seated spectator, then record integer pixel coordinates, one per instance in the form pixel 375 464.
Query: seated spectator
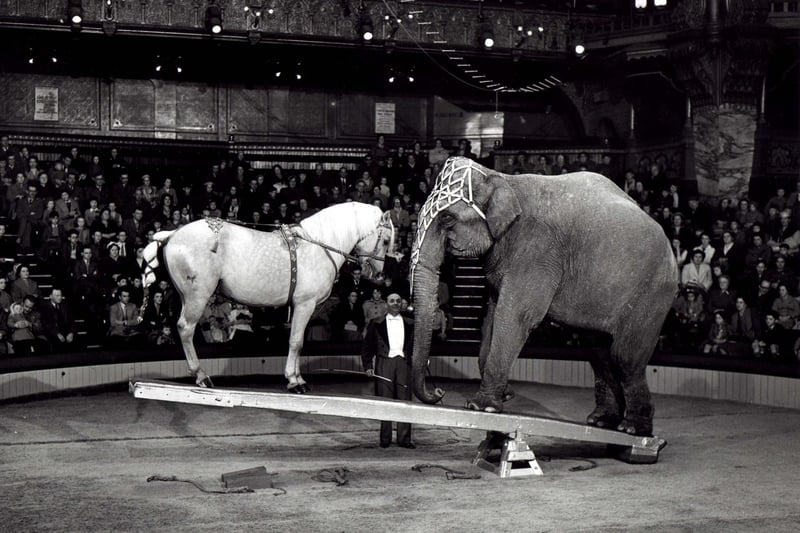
pixel 706 248
pixel 58 324
pixel 681 254
pixel 347 322
pixel 781 275
pixel 786 307
pixel 5 297
pixel 758 251
pixel 215 322
pixel 697 274
pixel 730 256
pixel 787 233
pixel 744 329
pixel 125 320
pixel 772 343
pixel 112 267
pixel 375 307
pixel 241 325
pixel 25 327
pixel 68 210
pixel 717 335
pixel 24 285
pixel 319 325
pixel 52 237
pixel 155 315
pixel 8 251
pixel 690 312
pixel 164 337
pixel 722 298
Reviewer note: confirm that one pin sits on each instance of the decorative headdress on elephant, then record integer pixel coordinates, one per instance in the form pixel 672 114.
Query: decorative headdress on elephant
pixel 463 180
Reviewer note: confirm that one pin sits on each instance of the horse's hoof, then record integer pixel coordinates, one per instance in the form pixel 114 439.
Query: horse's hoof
pixel 297 389
pixel 206 383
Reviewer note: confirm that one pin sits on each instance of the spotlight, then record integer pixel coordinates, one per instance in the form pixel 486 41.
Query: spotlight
pixel 214 19
pixel 277 73
pixel 485 33
pixel 75 11
pixel 31 61
pixel 391 79
pixel 579 49
pixel 365 26
pixel 540 29
pixel 54 59
pixel 410 78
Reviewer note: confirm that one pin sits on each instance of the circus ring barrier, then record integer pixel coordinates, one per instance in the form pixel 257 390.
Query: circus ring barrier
pixel 746 381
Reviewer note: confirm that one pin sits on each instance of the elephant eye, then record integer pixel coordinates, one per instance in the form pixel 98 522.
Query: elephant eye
pixel 447 220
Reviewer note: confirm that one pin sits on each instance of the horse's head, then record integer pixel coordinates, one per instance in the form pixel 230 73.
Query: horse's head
pixel 371 249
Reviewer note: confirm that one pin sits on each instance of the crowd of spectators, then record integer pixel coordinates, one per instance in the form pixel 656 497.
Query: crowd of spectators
pixel 85 219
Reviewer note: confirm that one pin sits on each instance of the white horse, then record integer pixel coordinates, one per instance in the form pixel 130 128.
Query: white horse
pixel 254 268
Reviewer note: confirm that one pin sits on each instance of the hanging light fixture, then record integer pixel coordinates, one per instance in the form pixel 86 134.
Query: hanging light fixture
pixel 365 27
pixel 214 18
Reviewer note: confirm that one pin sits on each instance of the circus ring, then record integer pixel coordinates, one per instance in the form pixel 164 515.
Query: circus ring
pixel 76 450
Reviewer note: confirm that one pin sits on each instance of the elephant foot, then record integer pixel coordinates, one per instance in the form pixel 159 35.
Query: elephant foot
pixel 603 419
pixel 485 402
pixel 638 426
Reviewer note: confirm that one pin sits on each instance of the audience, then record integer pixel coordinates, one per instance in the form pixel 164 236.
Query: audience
pixel 88 217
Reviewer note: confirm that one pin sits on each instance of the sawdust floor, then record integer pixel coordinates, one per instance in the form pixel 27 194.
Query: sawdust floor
pixel 81 463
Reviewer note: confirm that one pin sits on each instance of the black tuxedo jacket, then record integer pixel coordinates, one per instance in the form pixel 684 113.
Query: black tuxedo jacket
pixel 376 341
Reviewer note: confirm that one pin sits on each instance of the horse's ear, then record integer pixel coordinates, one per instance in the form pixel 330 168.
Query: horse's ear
pixel 386 218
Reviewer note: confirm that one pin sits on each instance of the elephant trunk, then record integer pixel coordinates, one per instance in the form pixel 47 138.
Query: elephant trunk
pixel 426 286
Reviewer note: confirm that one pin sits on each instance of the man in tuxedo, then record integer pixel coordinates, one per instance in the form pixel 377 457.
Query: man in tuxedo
pixel 57 322
pixel 386 353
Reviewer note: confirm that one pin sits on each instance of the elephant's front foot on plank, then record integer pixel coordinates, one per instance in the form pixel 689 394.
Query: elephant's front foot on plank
pixel 486 402
pixel 640 426
pixel 602 418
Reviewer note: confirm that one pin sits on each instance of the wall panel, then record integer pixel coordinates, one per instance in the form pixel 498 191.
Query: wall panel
pixel 78 101
pixel 356 116
pixel 248 110
pixel 133 105
pixel 196 107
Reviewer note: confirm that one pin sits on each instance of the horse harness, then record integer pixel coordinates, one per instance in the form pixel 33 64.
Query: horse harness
pixel 290 233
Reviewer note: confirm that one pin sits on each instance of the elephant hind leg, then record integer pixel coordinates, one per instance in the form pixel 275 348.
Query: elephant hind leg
pixel 629 356
pixel 609 399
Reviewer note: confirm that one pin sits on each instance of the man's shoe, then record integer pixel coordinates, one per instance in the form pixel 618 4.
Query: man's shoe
pixel 385 444
pixel 409 445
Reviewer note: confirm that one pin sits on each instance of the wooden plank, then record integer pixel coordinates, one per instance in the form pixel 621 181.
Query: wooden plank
pixel 400 411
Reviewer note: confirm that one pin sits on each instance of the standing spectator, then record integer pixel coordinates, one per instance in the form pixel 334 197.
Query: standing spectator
pixel 28 212
pixel 58 325
pixel 386 353
pixel 375 307
pixel 438 154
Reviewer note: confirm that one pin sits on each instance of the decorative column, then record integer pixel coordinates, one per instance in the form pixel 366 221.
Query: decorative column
pixel 721 61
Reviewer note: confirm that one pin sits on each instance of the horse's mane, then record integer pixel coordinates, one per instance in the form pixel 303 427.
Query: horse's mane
pixel 343 225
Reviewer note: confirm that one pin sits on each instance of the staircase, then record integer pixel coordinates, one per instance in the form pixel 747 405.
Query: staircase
pixel 468 297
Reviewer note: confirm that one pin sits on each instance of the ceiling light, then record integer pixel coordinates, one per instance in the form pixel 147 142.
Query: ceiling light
pixel 579 49
pixel 214 19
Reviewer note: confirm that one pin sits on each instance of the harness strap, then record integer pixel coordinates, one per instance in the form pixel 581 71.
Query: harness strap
pixel 291 243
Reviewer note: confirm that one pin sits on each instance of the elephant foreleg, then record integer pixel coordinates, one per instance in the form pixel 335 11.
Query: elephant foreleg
pixel 486 343
pixel 509 331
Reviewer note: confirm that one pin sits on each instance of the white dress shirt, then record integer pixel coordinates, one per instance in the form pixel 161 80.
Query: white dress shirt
pixel 396 330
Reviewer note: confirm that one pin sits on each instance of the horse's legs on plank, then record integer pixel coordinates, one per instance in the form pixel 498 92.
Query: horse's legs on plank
pixel 301 314
pixel 187 322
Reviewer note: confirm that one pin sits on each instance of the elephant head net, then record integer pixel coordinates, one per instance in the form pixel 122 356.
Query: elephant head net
pixel 453 184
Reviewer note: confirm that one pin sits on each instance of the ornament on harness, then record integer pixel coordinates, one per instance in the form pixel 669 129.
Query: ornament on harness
pixel 215 225
pixel 453 184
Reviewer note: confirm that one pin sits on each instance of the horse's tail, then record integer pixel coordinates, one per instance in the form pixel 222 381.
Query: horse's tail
pixel 150 255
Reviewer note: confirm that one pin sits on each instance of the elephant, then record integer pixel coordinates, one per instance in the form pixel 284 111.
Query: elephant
pixel 573 247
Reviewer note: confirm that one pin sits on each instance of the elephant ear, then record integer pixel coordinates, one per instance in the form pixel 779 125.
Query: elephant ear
pixel 499 203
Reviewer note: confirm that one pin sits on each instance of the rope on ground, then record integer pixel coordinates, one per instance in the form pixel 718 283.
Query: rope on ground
pixel 449 472
pixel 201 488
pixel 580 468
pixel 335 475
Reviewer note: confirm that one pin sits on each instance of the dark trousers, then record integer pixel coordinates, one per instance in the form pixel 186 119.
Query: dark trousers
pixel 397 370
